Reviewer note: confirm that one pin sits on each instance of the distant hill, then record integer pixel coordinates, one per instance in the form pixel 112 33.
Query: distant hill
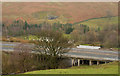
pixel 63 12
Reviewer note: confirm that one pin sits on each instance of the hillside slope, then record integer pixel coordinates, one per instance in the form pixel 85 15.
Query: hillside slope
pixel 110 68
pixel 67 12
pixel 99 22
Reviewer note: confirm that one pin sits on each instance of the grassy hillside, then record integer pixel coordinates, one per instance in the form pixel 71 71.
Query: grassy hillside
pixel 66 11
pixel 110 68
pixel 99 22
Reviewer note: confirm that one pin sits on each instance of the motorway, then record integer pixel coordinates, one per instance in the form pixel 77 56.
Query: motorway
pixel 95 54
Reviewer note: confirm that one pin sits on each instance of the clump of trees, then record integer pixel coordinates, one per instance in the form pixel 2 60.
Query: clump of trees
pixel 105 36
pixel 24 59
pixel 109 37
pixel 18 61
pixel 79 33
pixel 22 28
pixel 46 54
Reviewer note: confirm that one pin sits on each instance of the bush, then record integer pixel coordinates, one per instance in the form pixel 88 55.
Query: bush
pixel 18 62
pixel 64 63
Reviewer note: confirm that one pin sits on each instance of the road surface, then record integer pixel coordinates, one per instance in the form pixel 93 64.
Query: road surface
pixel 75 52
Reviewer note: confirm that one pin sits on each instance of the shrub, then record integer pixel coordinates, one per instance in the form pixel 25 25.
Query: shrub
pixel 18 62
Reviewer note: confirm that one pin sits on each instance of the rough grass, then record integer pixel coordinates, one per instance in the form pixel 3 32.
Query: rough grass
pixel 74 11
pixel 15 39
pixel 110 68
pixel 100 22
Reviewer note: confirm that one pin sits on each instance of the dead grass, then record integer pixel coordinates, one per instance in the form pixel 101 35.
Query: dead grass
pixel 74 11
pixel 13 39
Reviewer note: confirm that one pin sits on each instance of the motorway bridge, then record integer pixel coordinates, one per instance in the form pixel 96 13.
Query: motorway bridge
pixel 77 55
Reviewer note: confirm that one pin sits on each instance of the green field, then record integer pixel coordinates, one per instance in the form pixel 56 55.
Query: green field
pixel 100 22
pixel 110 68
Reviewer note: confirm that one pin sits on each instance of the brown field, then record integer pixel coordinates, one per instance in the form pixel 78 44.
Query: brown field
pixel 69 12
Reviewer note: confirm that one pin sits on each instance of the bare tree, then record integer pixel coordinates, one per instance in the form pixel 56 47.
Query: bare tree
pixel 53 43
pixel 91 37
pixel 23 56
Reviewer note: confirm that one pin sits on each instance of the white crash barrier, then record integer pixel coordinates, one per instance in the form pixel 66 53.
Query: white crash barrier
pixel 88 47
